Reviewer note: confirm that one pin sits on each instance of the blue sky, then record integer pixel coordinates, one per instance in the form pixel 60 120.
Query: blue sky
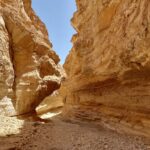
pixel 56 15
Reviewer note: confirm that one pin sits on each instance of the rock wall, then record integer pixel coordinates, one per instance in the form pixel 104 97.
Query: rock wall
pixel 29 69
pixel 108 67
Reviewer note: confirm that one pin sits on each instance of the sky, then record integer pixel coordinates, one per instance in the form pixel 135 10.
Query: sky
pixel 56 15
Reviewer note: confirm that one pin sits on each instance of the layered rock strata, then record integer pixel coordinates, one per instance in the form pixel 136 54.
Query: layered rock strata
pixel 29 69
pixel 108 67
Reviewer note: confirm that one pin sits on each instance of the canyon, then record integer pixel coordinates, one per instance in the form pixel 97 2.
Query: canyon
pixel 99 99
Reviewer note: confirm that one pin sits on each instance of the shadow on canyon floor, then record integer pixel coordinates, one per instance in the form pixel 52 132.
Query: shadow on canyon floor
pixel 57 134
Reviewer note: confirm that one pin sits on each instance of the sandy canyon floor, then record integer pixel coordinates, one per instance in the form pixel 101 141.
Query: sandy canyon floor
pixel 57 134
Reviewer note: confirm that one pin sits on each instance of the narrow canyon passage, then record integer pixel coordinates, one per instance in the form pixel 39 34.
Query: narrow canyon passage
pixel 99 99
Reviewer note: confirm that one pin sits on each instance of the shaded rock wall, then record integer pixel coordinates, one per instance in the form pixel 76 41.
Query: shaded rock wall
pixel 108 67
pixel 29 69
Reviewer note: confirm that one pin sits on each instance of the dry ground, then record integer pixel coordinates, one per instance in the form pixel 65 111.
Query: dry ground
pixel 60 135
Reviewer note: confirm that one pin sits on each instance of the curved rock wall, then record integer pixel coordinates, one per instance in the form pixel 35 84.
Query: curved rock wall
pixel 29 69
pixel 109 65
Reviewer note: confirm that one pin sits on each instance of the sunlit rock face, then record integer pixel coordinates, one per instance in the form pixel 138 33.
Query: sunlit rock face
pixel 29 69
pixel 50 103
pixel 108 67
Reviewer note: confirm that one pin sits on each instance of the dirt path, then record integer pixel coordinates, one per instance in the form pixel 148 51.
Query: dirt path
pixel 60 135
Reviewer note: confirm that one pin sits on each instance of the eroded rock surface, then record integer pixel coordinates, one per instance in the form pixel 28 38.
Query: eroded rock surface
pixel 52 102
pixel 109 65
pixel 29 69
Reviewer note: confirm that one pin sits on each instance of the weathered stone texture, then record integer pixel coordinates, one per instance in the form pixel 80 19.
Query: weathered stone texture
pixel 108 67
pixel 29 69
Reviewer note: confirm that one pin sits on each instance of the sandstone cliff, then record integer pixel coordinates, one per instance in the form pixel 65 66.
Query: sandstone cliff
pixel 109 65
pixel 29 69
